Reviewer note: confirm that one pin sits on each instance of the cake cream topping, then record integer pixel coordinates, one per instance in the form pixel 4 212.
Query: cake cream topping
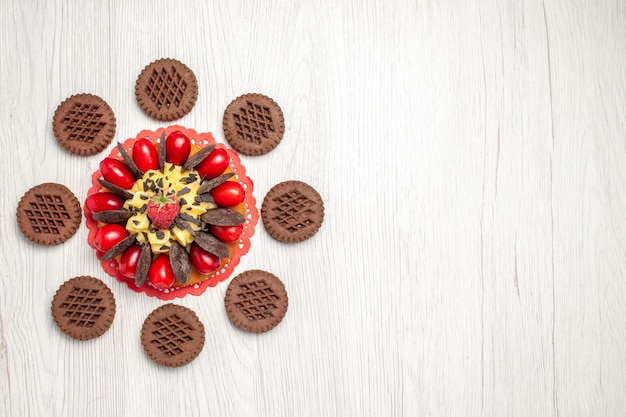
pixel 183 186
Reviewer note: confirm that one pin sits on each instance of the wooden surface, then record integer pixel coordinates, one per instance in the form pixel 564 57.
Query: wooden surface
pixel 472 158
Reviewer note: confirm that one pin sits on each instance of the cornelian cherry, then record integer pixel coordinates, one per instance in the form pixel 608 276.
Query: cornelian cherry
pixel 161 274
pixel 205 262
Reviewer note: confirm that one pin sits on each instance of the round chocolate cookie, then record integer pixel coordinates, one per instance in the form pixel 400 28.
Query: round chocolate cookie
pixel 292 211
pixel 253 124
pixel 83 308
pixel 256 301
pixel 166 89
pixel 49 214
pixel 84 124
pixel 172 335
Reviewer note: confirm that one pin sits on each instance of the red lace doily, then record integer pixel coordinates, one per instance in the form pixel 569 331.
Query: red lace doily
pixel 199 140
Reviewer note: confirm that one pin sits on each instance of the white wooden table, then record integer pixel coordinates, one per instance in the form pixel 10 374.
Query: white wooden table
pixel 472 158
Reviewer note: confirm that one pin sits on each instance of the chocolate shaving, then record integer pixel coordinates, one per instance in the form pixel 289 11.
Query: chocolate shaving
pixel 113 216
pixel 198 157
pixel 129 161
pixel 160 234
pixel 207 186
pixel 119 248
pixel 159 182
pixel 183 191
pixel 143 265
pixel 223 217
pixel 162 151
pixel 189 218
pixel 211 244
pixel 204 198
pixel 115 189
pixel 181 264
pixel 183 224
pixel 191 178
pixel 150 185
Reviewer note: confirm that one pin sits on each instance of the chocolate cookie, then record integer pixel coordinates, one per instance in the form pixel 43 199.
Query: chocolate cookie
pixel 253 124
pixel 166 89
pixel 49 214
pixel 172 335
pixel 84 124
pixel 292 211
pixel 83 308
pixel 256 301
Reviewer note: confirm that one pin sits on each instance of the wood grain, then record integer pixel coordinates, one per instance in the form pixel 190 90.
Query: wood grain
pixel 472 160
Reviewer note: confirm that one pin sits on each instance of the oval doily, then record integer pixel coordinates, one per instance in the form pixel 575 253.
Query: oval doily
pixel 198 283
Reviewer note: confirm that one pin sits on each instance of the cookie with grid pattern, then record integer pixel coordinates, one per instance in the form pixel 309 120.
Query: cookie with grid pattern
pixel 166 89
pixel 172 335
pixel 83 308
pixel 84 124
pixel 256 301
pixel 49 214
pixel 253 124
pixel 292 211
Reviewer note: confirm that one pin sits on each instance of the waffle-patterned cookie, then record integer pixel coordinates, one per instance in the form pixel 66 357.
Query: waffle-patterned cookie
pixel 292 211
pixel 83 308
pixel 256 301
pixel 172 335
pixel 253 124
pixel 84 124
pixel 166 89
pixel 49 214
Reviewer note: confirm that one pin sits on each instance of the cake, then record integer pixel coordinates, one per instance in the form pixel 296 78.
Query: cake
pixel 170 220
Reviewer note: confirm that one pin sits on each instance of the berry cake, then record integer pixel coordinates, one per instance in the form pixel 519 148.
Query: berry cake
pixel 170 220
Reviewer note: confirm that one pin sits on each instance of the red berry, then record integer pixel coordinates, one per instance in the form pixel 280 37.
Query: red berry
pixel 228 194
pixel 227 233
pixel 214 164
pixel 204 262
pixel 129 261
pixel 116 172
pixel 145 155
pixel 109 235
pixel 162 211
pixel 161 274
pixel 177 148
pixel 104 201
